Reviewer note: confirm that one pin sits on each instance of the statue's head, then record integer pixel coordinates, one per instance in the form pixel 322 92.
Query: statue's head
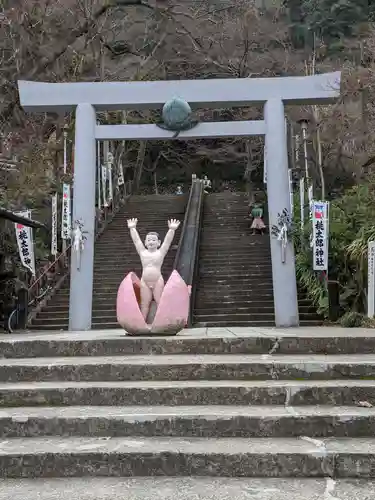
pixel 152 241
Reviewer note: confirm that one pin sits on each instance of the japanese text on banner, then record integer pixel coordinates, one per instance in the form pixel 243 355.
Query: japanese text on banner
pixel 320 235
pixel 66 222
pixel 54 225
pixel 25 244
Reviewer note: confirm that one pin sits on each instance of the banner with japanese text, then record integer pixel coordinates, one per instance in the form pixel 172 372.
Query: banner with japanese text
pixel 320 235
pixel 120 178
pixel 66 216
pixel 25 243
pixel 54 225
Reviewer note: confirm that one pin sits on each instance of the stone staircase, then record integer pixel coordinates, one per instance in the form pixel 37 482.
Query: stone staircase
pixel 115 256
pixel 210 414
pixel 235 273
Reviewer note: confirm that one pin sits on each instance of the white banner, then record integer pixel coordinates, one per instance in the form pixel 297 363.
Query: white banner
pixel 320 235
pixel 104 185
pixel 120 178
pixel 302 201
pixel 99 180
pixel 291 193
pixel 371 280
pixel 54 225
pixel 311 199
pixel 25 243
pixel 110 183
pixel 66 216
pixel 264 165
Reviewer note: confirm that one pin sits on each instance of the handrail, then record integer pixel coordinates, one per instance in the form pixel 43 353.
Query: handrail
pixel 184 225
pixel 187 257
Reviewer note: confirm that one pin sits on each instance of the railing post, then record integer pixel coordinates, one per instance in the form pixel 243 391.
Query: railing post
pixel 22 308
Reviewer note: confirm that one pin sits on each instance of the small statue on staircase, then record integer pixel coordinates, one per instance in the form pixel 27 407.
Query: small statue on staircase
pixel 257 216
pixel 152 255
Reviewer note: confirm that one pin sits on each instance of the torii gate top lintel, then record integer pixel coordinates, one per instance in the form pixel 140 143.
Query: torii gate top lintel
pixel 58 97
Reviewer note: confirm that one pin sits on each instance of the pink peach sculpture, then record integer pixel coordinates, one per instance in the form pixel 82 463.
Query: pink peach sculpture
pixel 146 305
pixel 171 314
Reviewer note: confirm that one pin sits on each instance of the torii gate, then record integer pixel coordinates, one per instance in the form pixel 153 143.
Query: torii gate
pixel 88 98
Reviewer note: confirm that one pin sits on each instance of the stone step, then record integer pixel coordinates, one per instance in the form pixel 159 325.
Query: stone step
pixel 341 392
pixel 235 254
pixel 228 274
pixel 238 282
pixel 191 341
pixel 204 308
pixel 246 316
pixel 189 367
pixel 224 457
pixel 184 488
pixel 234 259
pixel 234 317
pixel 230 267
pixel 188 421
pixel 236 323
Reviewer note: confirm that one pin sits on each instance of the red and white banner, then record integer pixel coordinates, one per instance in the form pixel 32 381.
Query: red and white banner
pixel 66 216
pixel 25 243
pixel 54 225
pixel 320 235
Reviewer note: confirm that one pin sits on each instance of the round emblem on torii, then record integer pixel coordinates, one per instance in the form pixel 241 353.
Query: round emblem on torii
pixel 177 116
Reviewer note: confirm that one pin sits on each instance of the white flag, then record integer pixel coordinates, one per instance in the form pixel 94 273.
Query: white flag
pixel 25 243
pixel 120 178
pixel 54 225
pixel 104 185
pixel 66 217
pixel 291 192
pixel 320 235
pixel 110 183
pixel 302 200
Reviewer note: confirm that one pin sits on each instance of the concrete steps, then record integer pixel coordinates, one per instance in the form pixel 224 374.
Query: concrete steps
pixel 184 488
pixel 115 256
pixel 188 421
pixel 127 457
pixel 235 269
pixel 256 403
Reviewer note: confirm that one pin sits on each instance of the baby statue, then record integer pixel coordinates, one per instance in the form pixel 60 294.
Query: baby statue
pixel 152 255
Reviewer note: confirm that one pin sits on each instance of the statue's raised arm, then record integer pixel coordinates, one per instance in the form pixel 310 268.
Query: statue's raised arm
pixel 173 226
pixel 132 225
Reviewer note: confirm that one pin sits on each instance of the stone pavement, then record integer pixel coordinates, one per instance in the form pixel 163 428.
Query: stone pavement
pixel 253 404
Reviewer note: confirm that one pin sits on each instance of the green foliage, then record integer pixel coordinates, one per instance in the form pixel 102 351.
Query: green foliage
pixel 352 226
pixel 329 20
pixel 352 319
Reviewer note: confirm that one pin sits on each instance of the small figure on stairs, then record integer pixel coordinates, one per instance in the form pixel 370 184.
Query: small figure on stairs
pixel 257 216
pixel 152 257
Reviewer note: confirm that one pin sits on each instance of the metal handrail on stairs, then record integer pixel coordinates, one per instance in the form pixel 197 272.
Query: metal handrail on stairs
pixel 187 256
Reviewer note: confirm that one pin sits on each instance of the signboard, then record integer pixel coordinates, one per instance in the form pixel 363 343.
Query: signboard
pixel 371 280
pixel 54 225
pixel 24 236
pixel 66 218
pixel 320 235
